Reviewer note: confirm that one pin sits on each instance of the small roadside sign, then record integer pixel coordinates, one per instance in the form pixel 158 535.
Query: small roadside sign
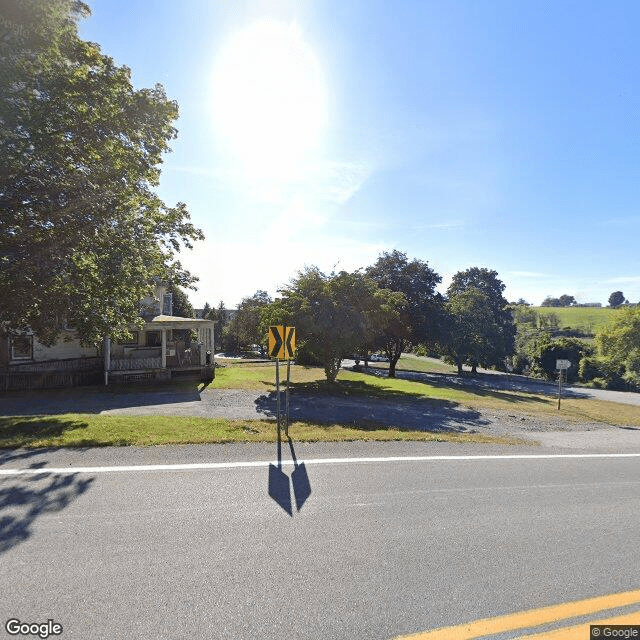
pixel 562 364
pixel 282 342
pixel 282 346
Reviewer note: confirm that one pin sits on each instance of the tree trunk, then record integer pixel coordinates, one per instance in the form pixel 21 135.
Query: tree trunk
pixel 474 369
pixel 394 354
pixel 331 369
pixel 459 363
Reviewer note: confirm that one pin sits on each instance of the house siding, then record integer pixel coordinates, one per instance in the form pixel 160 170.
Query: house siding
pixel 66 347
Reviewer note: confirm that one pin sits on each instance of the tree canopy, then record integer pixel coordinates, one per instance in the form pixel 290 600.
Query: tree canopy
pixel 83 234
pixel 417 318
pixel 564 300
pixel 619 342
pixel 482 331
pixel 333 314
pixel 245 326
pixel 616 299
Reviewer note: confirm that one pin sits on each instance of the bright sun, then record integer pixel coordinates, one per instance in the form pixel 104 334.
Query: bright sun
pixel 269 98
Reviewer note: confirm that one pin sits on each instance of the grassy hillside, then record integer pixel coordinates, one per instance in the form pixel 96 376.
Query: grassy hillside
pixel 587 319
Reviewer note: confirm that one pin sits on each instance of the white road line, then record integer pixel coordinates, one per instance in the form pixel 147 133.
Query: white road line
pixel 266 463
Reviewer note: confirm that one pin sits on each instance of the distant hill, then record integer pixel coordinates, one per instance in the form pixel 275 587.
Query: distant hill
pixel 586 319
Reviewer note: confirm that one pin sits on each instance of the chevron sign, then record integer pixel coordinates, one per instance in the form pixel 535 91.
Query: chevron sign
pixel 282 342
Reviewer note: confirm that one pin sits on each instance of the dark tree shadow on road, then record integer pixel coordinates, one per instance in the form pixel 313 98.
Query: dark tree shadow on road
pixel 23 498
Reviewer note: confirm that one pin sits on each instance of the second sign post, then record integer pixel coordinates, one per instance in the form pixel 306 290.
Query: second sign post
pixel 282 346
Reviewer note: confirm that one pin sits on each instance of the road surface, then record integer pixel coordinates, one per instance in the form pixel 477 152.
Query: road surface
pixel 381 546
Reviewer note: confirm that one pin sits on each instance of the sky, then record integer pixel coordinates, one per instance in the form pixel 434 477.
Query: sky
pixel 496 134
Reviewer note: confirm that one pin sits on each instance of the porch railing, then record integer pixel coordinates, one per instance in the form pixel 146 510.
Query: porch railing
pixel 132 364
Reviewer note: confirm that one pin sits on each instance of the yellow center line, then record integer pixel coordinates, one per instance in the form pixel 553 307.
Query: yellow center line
pixel 581 631
pixel 530 618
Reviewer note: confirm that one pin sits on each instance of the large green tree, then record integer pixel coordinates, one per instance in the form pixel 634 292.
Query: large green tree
pixel 83 234
pixel 419 312
pixel 619 344
pixel 482 330
pixel 616 299
pixel 333 314
pixel 245 326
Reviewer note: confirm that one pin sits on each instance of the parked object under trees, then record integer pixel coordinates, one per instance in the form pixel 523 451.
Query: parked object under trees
pixel 83 235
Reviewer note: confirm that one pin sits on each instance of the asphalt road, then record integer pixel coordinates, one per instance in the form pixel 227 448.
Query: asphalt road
pixel 377 549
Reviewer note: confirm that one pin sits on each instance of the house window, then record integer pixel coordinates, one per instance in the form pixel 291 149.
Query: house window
pixel 154 339
pixel 21 347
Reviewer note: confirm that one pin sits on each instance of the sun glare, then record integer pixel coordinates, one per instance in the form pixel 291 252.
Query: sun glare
pixel 269 98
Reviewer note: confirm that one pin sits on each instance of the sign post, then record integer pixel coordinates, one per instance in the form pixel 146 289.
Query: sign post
pixel 282 346
pixel 561 365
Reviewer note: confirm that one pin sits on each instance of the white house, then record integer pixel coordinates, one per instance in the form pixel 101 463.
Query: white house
pixel 167 346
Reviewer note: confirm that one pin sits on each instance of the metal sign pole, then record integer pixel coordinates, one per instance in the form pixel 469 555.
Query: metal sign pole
pixel 559 388
pixel 287 396
pixel 278 393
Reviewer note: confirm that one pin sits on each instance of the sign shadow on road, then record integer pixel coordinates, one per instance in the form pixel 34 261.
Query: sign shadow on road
pixel 280 484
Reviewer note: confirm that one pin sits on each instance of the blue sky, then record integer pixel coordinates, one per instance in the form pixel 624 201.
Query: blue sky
pixel 479 133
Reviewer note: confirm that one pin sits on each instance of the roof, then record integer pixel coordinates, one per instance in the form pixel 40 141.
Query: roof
pixel 178 322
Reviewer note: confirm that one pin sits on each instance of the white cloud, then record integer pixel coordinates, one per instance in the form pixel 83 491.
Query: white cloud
pixel 624 279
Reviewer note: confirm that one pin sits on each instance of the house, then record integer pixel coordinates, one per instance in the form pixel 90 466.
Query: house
pixel 167 346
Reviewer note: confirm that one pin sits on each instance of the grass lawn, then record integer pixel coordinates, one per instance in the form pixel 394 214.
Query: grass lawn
pixel 410 362
pixel 350 383
pixel 94 430
pixel 99 430
pixel 587 319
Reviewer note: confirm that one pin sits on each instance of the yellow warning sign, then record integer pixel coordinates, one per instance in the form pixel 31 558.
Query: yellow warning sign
pixel 282 342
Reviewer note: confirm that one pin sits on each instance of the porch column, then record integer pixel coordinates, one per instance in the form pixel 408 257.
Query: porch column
pixel 203 348
pixel 164 348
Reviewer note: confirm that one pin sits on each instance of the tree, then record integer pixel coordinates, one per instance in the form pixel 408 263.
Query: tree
pixel 222 320
pixel 471 327
pixel 482 327
pixel 181 305
pixel 567 300
pixel 83 235
pixel 245 325
pixel 551 302
pixel 417 319
pixel 545 351
pixel 619 343
pixel 333 314
pixel 616 299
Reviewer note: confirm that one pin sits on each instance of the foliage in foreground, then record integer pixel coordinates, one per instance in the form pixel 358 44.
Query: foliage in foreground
pixel 82 232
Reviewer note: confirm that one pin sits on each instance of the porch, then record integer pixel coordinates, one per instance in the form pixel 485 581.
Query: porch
pixel 168 347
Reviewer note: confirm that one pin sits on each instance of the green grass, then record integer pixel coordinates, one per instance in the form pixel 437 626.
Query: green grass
pixel 81 430
pixel 586 319
pixel 410 362
pixel 349 383
pixel 85 430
